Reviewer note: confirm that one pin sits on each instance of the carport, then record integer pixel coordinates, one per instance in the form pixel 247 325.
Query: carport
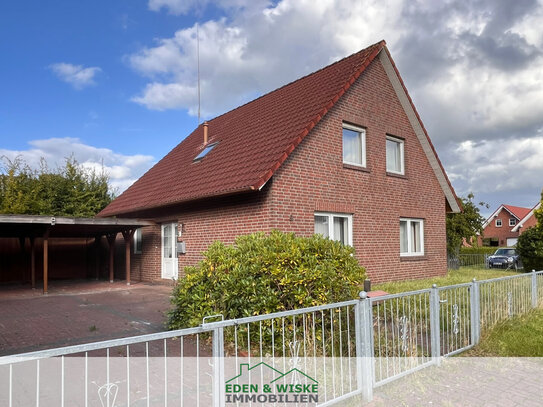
pixel 35 227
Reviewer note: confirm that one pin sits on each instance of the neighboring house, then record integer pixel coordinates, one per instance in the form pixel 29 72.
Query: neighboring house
pixel 528 221
pixel 500 229
pixel 341 152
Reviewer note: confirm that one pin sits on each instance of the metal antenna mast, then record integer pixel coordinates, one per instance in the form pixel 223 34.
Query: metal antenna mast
pixel 198 57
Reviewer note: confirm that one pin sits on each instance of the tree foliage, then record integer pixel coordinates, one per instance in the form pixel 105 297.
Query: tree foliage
pixel 530 243
pixel 70 190
pixel 465 224
pixel 262 274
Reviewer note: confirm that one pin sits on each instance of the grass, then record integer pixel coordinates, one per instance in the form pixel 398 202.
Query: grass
pixel 521 336
pixel 462 275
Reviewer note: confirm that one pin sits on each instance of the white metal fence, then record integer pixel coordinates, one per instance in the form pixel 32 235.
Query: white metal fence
pixel 349 348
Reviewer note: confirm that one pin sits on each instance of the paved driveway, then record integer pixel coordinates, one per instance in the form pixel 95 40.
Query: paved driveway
pixel 79 313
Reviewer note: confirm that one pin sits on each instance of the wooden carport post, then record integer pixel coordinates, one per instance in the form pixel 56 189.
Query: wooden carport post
pixel 111 240
pixel 97 255
pixel 45 260
pixel 32 263
pixel 127 234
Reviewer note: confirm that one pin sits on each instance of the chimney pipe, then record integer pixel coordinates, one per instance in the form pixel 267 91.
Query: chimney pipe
pixel 205 132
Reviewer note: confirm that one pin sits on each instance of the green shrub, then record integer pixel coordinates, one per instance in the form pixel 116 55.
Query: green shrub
pixel 478 250
pixel 261 274
pixel 530 248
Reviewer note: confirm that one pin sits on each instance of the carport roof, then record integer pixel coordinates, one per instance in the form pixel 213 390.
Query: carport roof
pixel 38 225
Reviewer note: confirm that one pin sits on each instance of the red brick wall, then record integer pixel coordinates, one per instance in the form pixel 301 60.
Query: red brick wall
pixel 503 232
pixel 314 179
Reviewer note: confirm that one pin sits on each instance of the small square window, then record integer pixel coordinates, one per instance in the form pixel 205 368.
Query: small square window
pixel 137 241
pixel 395 155
pixel 411 237
pixel 512 221
pixel 354 145
pixel 498 223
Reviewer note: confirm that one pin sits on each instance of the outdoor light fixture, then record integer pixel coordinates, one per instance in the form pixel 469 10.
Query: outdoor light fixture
pixel 53 221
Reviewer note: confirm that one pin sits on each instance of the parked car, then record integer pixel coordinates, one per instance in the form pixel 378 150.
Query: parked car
pixel 506 258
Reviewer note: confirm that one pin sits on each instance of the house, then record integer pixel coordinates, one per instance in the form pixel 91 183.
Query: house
pixel 528 221
pixel 341 152
pixel 500 229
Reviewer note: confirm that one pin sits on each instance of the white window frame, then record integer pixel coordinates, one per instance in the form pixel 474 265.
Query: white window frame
pixel 362 133
pixel 410 252
pixel 500 223
pixel 401 142
pixel 138 236
pixel 331 216
pixel 512 221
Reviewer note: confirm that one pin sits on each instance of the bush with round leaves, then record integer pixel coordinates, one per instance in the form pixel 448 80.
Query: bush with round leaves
pixel 530 248
pixel 261 274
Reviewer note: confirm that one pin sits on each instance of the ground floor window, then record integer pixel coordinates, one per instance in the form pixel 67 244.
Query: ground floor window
pixel 335 226
pixel 411 237
pixel 137 241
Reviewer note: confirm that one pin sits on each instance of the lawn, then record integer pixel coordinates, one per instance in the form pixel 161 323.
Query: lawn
pixel 521 336
pixel 462 275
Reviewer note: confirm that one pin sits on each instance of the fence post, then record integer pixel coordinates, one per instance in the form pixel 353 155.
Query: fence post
pixel 364 350
pixel 435 330
pixel 475 312
pixel 534 289
pixel 218 367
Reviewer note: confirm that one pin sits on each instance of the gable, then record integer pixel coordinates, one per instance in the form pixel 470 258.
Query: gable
pixel 253 141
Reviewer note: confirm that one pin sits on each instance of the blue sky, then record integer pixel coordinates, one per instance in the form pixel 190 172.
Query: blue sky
pixel 114 83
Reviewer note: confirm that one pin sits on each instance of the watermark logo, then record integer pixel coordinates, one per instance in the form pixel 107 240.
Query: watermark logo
pixel 262 383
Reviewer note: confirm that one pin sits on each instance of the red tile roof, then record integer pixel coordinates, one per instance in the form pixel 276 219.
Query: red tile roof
pixel 253 141
pixel 518 211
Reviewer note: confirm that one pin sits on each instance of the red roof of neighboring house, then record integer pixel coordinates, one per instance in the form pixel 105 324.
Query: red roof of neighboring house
pixel 253 141
pixel 518 211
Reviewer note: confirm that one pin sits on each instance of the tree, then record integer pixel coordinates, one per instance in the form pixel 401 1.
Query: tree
pixel 465 224
pixel 530 243
pixel 70 190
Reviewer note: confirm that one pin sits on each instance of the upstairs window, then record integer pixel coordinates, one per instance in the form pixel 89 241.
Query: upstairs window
pixel 411 237
pixel 334 226
pixel 512 221
pixel 354 145
pixel 498 223
pixel 205 151
pixel 395 155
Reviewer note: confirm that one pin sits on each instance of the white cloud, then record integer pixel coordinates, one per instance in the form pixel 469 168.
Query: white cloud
pixel 474 70
pixel 122 169
pixel 507 168
pixel 76 75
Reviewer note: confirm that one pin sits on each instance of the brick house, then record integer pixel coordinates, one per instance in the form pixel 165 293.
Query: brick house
pixel 341 152
pixel 500 229
pixel 528 221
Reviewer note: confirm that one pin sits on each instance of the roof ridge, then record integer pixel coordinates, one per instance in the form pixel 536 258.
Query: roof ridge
pixel 382 42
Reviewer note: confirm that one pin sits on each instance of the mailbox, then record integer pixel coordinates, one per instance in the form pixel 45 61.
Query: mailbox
pixel 181 248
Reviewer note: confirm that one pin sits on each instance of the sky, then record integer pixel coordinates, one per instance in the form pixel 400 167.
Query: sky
pixel 114 83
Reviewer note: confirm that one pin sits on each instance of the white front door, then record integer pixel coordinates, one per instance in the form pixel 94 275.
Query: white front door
pixel 169 255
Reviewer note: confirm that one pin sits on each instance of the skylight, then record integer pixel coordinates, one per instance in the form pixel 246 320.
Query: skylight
pixel 204 152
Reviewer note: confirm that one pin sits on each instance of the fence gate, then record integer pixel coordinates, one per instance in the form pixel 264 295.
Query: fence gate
pixel 455 318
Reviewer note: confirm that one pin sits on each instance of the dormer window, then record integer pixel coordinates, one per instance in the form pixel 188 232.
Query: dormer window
pixel 205 151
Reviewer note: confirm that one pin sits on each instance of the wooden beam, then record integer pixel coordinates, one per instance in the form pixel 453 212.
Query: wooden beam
pixel 45 261
pixel 97 255
pixel 128 235
pixel 32 263
pixel 111 240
